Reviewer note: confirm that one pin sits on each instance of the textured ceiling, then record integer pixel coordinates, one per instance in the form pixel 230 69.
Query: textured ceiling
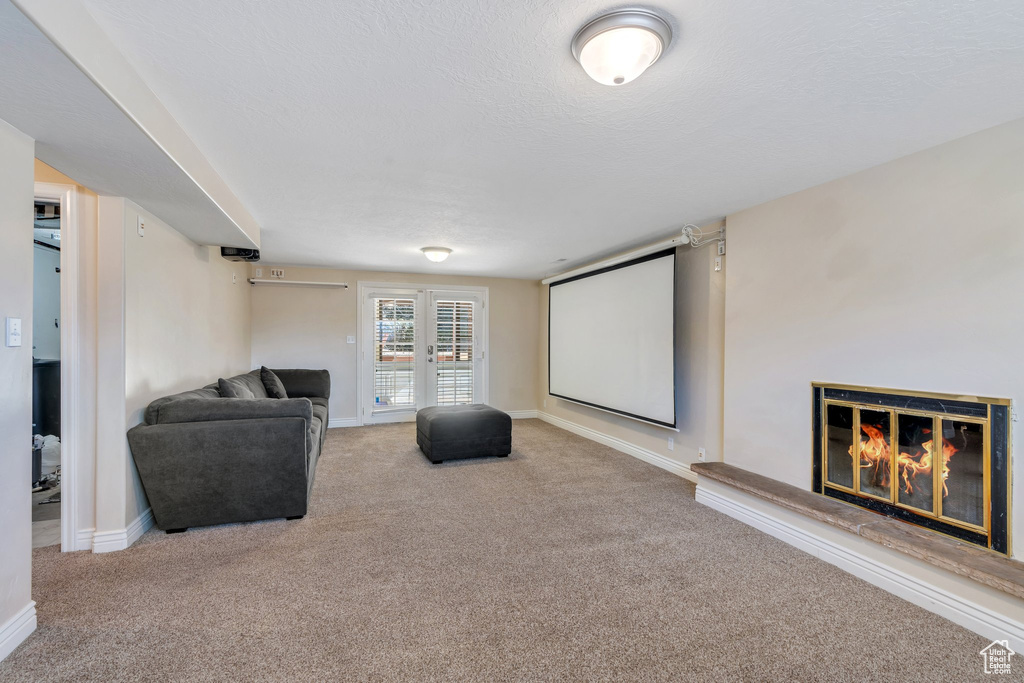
pixel 80 132
pixel 356 133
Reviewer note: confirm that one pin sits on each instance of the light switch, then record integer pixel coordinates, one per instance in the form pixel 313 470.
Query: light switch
pixel 350 339
pixel 14 331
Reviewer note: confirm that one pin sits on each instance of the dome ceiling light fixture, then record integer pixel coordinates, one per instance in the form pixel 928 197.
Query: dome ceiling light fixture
pixel 436 254
pixel 619 46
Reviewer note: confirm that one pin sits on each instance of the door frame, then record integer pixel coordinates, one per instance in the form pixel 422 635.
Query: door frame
pixel 70 365
pixel 419 290
pixel 479 371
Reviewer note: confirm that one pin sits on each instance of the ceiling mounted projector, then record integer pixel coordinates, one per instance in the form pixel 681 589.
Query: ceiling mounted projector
pixel 616 48
pixel 236 254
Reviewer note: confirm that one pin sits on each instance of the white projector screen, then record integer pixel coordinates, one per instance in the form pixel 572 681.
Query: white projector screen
pixel 611 338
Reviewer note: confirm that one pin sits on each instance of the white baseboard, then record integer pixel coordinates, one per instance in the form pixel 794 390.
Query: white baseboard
pixel 17 629
pixel 120 539
pixel 959 609
pixel 656 459
pixel 522 414
pixel 109 541
pixel 83 539
pixel 141 525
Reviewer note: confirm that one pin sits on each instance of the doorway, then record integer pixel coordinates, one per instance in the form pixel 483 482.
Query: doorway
pixel 46 373
pixel 420 346
pixel 55 334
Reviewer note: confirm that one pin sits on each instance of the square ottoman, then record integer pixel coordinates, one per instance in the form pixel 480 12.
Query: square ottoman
pixel 457 432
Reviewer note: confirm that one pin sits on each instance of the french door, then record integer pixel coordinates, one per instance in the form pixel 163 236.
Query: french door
pixel 421 347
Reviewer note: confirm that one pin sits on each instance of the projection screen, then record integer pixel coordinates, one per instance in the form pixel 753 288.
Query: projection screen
pixel 611 338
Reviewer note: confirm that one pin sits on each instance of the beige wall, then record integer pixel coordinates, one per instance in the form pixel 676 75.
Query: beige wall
pixel 16 192
pixel 85 236
pixel 700 302
pixel 908 275
pixel 306 327
pixel 186 322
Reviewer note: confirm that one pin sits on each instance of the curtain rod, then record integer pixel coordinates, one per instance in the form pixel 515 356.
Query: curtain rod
pixel 254 281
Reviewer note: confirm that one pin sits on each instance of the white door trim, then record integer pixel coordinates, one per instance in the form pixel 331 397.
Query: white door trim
pixel 364 288
pixel 70 358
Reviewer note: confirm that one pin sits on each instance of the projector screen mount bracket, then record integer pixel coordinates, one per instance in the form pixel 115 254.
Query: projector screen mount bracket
pixel 696 237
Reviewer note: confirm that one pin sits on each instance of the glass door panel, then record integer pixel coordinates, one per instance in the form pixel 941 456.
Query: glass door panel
pixel 394 354
pixel 454 358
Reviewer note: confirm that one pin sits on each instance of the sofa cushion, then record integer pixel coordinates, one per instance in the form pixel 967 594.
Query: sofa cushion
pixel 253 382
pixel 152 416
pixel 316 428
pixel 272 383
pixel 232 388
pixel 320 412
pixel 308 383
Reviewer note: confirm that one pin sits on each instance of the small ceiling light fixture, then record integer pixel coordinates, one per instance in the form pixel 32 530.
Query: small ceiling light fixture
pixel 436 254
pixel 616 48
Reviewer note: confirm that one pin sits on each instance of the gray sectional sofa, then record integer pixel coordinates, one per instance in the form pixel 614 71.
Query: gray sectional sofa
pixel 204 459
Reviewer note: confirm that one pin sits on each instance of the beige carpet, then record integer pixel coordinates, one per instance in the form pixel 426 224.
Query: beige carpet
pixel 566 561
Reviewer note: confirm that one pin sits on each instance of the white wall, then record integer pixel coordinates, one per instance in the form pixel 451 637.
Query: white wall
pixel 305 327
pixel 908 275
pixel 45 303
pixel 16 194
pixel 700 306
pixel 187 321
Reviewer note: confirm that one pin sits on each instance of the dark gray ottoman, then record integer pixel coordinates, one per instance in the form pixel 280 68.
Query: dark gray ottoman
pixel 457 432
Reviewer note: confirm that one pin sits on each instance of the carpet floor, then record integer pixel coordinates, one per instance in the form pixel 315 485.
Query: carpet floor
pixel 566 561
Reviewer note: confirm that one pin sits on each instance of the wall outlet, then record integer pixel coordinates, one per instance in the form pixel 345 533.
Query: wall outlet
pixel 701 455
pixel 14 331
pixel 350 339
pixel 545 402
pixel 277 273
pixel 258 272
pixel 671 444
pixel 142 227
pixel 718 264
pixel 234 278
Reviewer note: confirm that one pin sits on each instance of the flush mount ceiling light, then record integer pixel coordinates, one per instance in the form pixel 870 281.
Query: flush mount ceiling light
pixel 616 48
pixel 436 254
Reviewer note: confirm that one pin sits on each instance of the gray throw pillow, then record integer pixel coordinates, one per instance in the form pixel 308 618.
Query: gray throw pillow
pixel 272 383
pixel 230 388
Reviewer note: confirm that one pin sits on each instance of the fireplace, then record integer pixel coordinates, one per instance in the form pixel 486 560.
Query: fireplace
pixel 937 461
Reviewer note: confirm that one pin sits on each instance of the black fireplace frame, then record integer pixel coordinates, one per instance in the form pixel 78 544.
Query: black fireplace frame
pixel 996 411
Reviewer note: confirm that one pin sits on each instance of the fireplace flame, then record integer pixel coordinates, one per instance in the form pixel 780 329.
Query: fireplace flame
pixel 875 454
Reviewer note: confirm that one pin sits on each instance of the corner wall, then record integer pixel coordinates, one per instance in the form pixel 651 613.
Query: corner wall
pixel 907 275
pixel 700 307
pixel 306 327
pixel 186 322
pixel 17 611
